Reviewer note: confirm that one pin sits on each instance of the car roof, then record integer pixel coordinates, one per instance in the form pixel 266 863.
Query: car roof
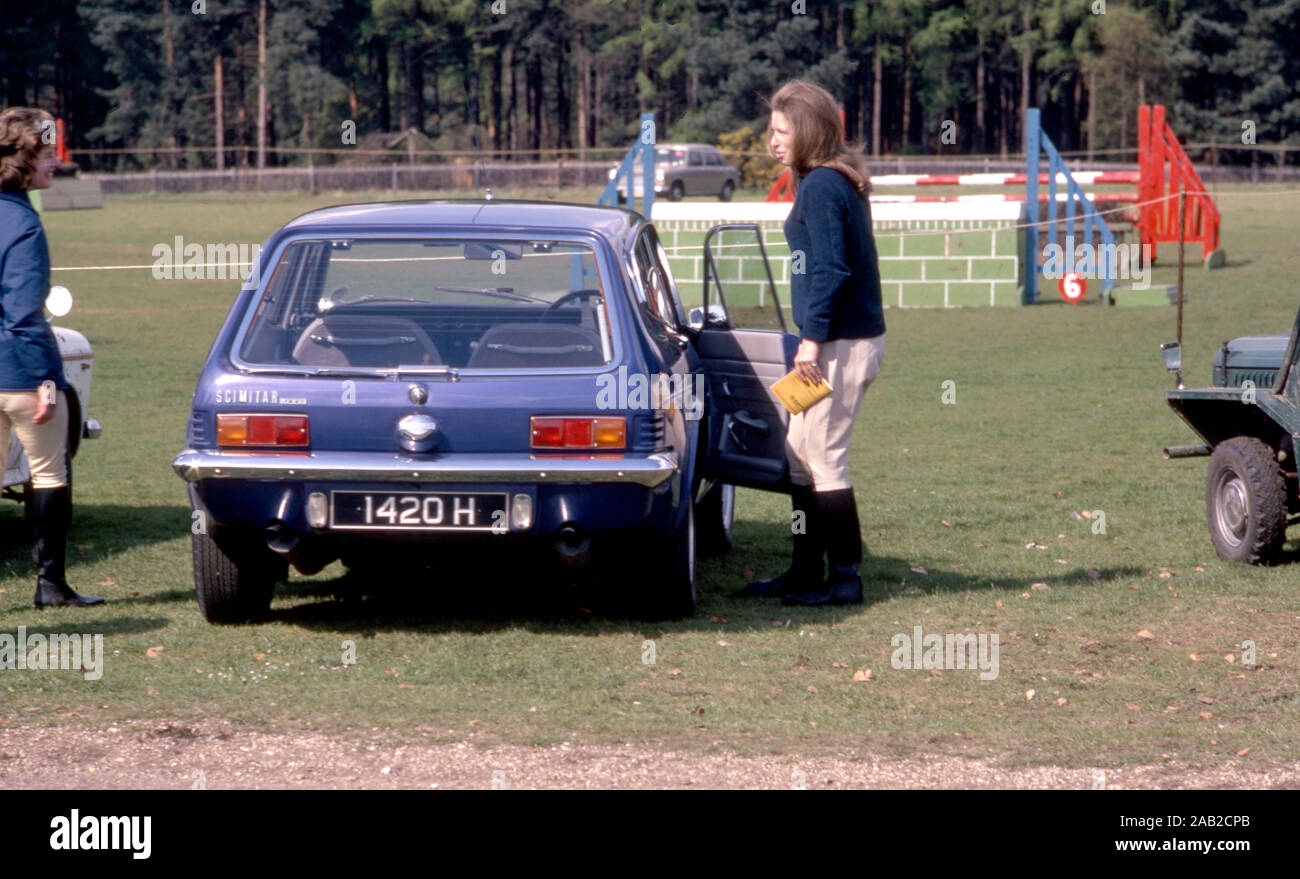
pixel 684 146
pixel 505 214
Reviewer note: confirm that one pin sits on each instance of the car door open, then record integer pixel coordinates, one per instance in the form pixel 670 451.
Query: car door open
pixel 746 422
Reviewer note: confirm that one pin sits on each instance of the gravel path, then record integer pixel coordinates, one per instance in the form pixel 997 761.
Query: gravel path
pixel 214 755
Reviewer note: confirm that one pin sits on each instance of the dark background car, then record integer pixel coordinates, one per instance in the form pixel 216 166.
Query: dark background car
pixel 412 377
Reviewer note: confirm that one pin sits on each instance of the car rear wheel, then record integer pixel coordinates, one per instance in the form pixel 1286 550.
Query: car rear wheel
pixel 727 189
pixel 235 579
pixel 716 514
pixel 676 191
pixel 668 590
pixel 1245 501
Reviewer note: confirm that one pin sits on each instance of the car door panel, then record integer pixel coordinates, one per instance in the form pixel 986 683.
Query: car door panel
pixel 747 424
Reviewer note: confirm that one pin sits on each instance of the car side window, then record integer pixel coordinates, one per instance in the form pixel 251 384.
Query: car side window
pixel 657 302
pixel 696 158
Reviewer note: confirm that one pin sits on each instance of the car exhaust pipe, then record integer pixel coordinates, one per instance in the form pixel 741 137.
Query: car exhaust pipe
pixel 573 546
pixel 280 539
pixel 1186 451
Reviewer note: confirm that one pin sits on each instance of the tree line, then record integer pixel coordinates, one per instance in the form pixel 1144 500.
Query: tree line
pixel 258 77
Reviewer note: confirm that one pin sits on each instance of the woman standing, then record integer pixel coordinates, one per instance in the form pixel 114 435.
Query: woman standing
pixel 33 400
pixel 836 304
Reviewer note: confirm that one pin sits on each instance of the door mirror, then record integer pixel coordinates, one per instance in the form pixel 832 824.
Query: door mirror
pixel 717 318
pixel 1173 356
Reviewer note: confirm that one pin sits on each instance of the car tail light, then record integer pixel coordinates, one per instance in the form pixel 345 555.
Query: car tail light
pixel 579 432
pixel 262 430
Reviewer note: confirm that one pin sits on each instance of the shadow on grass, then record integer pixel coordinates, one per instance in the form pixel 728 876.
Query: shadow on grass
pixel 472 596
pixel 99 531
pixel 92 625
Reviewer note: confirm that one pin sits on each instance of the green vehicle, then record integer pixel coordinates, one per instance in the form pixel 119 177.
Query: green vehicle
pixel 1250 421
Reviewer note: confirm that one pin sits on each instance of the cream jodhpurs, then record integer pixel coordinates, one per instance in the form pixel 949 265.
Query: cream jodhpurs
pixel 817 443
pixel 45 444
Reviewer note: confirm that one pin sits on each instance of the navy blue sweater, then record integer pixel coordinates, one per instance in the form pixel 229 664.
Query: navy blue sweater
pixel 29 353
pixel 837 295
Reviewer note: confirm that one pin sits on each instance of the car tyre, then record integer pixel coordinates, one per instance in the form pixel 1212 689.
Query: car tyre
pixel 676 191
pixel 727 189
pixel 715 518
pixel 1245 501
pixel 234 583
pixel 668 592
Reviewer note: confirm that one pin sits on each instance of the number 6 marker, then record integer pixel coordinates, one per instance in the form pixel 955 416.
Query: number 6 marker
pixel 1072 288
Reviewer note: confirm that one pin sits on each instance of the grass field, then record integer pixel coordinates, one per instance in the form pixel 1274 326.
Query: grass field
pixel 1117 647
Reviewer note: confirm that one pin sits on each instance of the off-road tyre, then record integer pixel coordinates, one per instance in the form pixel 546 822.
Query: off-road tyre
pixel 1245 501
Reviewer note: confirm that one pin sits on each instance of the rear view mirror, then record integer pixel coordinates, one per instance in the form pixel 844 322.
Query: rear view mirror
pixel 488 250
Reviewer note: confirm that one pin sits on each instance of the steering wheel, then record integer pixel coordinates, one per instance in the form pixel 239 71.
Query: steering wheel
pixel 572 294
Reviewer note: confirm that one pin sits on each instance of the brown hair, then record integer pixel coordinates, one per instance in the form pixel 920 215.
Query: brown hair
pixel 21 145
pixel 818 141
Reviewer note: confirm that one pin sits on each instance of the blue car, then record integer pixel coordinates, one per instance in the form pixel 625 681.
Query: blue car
pixel 400 380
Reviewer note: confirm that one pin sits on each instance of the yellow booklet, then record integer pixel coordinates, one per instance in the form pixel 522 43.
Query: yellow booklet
pixel 797 394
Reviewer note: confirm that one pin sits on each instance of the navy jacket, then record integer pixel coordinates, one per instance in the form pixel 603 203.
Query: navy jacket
pixel 29 353
pixel 837 295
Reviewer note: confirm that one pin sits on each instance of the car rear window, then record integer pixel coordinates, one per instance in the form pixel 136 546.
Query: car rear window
pixel 465 303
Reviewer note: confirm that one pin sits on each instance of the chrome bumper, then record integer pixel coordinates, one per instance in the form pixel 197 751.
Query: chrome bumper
pixel 194 465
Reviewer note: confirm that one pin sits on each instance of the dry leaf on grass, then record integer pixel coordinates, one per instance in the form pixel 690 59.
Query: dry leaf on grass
pixel 812 689
pixel 1205 715
pixel 997 603
pixel 1194 657
pixel 1206 699
pixel 674 672
pixel 259 656
pixel 1039 587
pixel 1061 701
pixel 1145 635
pixel 1229 658
pixel 153 652
pixel 1029 695
pixel 919 570
pixel 1243 752
pixel 1131 707
pixel 862 675
pixel 945 523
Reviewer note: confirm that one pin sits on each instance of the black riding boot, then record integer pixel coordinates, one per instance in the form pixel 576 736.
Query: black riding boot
pixel 806 566
pixel 843 535
pixel 50 512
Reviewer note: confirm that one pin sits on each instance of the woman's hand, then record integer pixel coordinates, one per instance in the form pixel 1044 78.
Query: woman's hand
pixel 805 361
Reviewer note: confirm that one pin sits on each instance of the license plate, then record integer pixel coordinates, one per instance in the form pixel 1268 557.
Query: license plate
pixel 418 510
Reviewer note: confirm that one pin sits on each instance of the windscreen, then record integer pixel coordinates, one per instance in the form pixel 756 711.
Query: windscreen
pixel 463 303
